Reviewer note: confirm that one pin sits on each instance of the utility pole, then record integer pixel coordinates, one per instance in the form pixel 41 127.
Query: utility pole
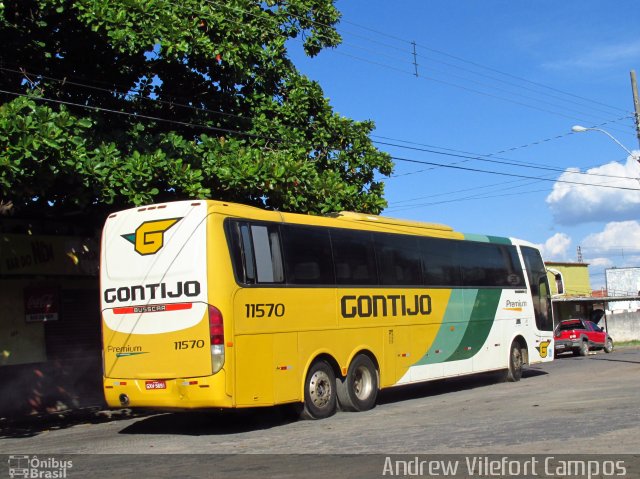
pixel 636 103
pixel 415 66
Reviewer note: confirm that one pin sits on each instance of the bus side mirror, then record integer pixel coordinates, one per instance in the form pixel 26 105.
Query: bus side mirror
pixel 559 283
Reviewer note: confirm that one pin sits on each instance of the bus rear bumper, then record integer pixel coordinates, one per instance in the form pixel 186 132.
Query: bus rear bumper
pixel 181 393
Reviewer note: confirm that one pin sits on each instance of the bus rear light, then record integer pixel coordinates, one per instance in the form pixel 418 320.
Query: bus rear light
pixel 216 335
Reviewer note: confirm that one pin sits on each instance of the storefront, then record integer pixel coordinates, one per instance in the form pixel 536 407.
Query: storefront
pixel 50 355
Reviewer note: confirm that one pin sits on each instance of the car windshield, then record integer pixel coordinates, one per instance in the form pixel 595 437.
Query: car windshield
pixel 568 325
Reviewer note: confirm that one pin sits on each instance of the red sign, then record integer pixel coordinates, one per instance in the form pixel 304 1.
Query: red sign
pixel 41 304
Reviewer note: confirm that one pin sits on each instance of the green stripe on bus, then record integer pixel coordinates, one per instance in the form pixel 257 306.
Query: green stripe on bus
pixel 487 239
pixel 499 240
pixel 452 329
pixel 480 323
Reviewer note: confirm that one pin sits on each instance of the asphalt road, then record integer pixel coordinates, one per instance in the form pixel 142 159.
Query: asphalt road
pixel 572 406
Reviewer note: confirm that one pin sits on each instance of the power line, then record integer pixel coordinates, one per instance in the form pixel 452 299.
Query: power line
pixel 466 198
pixel 484 67
pixel 504 150
pixel 513 175
pixel 430 78
pixel 497 161
pixel 125 94
pixel 135 115
pixel 226 130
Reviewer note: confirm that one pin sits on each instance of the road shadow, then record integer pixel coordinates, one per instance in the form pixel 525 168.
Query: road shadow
pixel 30 426
pixel 235 421
pixel 615 357
pixel 602 358
pixel 449 385
pixel 215 422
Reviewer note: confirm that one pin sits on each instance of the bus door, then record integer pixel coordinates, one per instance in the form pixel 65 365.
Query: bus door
pixel 541 297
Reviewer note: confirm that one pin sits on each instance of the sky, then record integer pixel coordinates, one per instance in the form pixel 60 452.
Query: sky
pixel 482 136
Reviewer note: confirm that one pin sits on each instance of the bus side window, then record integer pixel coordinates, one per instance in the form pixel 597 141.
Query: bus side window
pixel 257 253
pixel 398 258
pixel 266 250
pixel 307 255
pixel 439 263
pixel 246 249
pixel 354 256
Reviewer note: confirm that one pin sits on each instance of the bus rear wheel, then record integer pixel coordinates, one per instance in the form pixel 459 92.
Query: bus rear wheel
pixel 358 391
pixel 320 398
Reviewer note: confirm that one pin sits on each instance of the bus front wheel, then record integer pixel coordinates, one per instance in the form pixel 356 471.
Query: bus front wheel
pixel 516 362
pixel 319 391
pixel 358 391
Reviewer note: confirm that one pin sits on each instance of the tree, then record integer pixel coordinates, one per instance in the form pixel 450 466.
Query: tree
pixel 111 103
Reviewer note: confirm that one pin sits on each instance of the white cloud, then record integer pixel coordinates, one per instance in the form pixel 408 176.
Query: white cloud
pixel 599 57
pixel 556 248
pixel 618 245
pixel 615 237
pixel 573 204
pixel 599 262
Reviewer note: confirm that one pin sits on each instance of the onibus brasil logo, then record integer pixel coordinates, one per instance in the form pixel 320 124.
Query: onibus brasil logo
pixel 149 236
pixel 32 466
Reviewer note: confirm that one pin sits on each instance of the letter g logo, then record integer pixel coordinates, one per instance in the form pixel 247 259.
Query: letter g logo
pixel 149 236
pixel 543 349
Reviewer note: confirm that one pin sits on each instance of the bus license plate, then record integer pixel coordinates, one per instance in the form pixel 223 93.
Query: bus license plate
pixel 149 385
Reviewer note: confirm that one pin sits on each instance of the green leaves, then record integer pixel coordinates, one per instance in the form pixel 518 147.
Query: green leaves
pixel 131 102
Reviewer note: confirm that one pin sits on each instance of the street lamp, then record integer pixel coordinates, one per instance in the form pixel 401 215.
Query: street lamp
pixel 580 129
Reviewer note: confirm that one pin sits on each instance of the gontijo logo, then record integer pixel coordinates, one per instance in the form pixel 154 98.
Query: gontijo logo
pixel 543 349
pixel 149 237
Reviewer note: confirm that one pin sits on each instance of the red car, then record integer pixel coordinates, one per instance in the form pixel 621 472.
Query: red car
pixel 580 336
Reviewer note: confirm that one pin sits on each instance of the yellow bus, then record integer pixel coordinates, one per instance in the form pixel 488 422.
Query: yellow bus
pixel 207 304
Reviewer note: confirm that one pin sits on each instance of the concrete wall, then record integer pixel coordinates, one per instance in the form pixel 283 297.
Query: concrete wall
pixel 624 326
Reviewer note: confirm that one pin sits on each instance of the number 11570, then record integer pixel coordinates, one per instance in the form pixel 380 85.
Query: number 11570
pixel 267 310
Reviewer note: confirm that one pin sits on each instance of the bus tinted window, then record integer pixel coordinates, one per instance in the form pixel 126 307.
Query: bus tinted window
pixel 537 274
pixel 354 257
pixel 307 255
pixel 489 264
pixel 398 259
pixel 439 262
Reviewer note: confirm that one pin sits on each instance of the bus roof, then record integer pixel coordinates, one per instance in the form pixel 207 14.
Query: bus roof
pixel 344 219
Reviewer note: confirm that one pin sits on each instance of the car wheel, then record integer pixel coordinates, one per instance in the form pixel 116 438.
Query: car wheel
pixel 584 348
pixel 608 345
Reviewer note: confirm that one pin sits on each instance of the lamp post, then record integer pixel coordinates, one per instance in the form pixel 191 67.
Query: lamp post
pixel 580 129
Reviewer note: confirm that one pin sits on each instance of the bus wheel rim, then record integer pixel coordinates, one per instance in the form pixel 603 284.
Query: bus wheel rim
pixel 320 389
pixel 363 383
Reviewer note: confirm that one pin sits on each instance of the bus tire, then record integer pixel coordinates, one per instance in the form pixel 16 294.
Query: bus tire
pixel 358 391
pixel 320 397
pixel 514 373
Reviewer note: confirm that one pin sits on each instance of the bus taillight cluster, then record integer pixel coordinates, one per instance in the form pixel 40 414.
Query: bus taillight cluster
pixel 216 334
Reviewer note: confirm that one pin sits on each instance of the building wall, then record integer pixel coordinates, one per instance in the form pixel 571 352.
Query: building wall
pixel 624 326
pixel 576 278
